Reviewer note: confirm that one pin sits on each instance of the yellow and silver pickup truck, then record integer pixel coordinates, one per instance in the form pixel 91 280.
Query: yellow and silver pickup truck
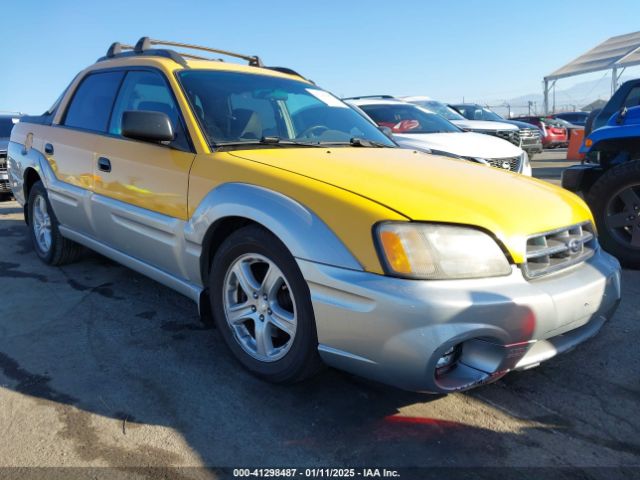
pixel 301 230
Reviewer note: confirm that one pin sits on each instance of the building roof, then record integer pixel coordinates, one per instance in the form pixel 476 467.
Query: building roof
pixel 621 51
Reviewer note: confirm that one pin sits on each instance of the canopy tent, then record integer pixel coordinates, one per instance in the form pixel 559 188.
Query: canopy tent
pixel 615 54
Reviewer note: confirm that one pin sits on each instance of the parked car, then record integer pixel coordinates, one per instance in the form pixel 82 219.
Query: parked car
pixel 303 229
pixel 554 133
pixel 574 118
pixel 627 95
pixel 415 127
pixel 527 137
pixel 6 124
pixel 570 127
pixel 505 131
pixel 610 181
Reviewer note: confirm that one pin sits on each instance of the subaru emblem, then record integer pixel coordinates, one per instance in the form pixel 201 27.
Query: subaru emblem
pixel 574 245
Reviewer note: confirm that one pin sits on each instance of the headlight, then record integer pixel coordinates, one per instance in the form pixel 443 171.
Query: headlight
pixel 439 252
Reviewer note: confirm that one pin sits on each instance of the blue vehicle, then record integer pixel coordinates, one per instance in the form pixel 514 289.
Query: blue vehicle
pixel 609 179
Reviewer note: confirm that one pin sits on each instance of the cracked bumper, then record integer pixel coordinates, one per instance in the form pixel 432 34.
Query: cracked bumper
pixel 394 330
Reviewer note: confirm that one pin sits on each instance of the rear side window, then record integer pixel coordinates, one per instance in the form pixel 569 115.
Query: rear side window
pixel 148 91
pixel 91 104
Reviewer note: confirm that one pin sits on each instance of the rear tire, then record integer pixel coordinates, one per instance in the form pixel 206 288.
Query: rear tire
pixel 262 306
pixel 49 244
pixel 615 201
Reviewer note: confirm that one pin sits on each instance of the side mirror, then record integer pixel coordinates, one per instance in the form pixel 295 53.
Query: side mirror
pixel 622 115
pixel 147 126
pixel 387 131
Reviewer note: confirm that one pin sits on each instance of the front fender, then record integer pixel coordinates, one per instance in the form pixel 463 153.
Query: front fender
pixel 612 131
pixel 306 236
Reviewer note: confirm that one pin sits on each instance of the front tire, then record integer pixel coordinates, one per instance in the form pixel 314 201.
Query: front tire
pixel 49 244
pixel 615 201
pixel 262 306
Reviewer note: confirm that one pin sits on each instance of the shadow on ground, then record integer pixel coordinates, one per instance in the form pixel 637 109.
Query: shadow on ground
pixel 107 341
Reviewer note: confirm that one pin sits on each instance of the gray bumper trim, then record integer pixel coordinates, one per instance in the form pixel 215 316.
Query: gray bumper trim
pixel 394 330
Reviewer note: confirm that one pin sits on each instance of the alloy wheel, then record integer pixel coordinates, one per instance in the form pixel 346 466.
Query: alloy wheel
pixel 259 307
pixel 41 224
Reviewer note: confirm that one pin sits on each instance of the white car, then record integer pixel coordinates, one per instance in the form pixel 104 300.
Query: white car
pixel 421 129
pixel 499 129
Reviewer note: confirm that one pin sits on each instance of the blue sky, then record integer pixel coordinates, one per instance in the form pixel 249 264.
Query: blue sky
pixel 446 49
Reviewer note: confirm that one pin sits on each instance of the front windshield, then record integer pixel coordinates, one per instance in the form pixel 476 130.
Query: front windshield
pixel 240 108
pixel 440 108
pixel 6 124
pixel 408 119
pixel 476 112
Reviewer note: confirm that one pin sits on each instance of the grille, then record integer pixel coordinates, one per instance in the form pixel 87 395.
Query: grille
pixel 559 249
pixel 4 184
pixel 511 163
pixel 512 136
pixel 529 136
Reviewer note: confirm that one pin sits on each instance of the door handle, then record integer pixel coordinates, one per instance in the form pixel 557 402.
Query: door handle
pixel 104 164
pixel 48 149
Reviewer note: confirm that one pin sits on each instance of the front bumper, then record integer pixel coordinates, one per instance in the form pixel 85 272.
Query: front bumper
pixel 532 148
pixel 395 330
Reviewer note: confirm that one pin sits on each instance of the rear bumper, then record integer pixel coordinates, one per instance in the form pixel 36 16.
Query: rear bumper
pixel 554 140
pixel 394 331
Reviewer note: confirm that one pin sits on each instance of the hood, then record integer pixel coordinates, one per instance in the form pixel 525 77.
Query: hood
pixel 467 144
pixel 4 144
pixel 519 124
pixel 483 125
pixel 433 188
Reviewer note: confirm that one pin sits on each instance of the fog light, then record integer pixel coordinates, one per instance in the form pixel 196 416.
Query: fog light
pixel 448 360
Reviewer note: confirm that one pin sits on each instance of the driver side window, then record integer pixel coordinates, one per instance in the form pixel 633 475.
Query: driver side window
pixel 147 91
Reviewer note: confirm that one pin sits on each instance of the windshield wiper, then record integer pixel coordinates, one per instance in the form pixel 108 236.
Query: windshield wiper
pixel 361 142
pixel 270 140
pixel 274 140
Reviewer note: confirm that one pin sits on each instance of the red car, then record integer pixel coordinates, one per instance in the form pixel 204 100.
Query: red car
pixel 554 134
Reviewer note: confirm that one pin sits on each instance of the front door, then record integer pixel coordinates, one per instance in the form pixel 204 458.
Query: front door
pixel 140 201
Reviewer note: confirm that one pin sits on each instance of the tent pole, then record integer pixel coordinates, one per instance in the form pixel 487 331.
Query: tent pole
pixel 546 96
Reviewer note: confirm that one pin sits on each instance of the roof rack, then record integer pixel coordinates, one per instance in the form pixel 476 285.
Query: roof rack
pixel 145 44
pixel 370 96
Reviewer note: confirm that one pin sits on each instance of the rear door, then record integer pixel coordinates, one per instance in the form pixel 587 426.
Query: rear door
pixel 69 147
pixel 140 201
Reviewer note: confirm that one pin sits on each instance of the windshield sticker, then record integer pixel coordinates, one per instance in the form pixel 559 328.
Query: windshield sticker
pixel 326 97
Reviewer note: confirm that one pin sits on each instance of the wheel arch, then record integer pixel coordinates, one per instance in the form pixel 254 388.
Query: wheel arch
pixel 234 205
pixel 616 150
pixel 30 177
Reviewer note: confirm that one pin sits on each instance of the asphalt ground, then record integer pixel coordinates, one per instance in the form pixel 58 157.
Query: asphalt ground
pixel 108 373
